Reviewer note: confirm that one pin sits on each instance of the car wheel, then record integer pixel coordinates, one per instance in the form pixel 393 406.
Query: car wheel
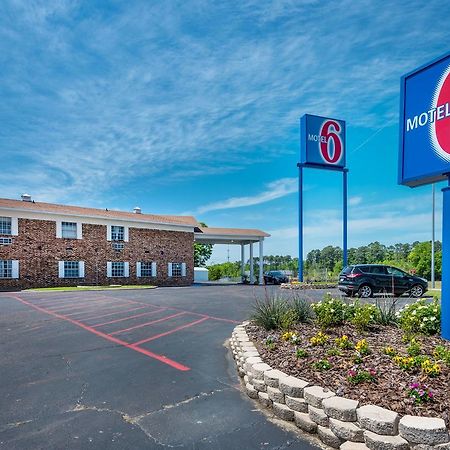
pixel 417 291
pixel 365 291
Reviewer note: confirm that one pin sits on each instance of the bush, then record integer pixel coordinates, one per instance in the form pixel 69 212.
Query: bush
pixel 364 316
pixel 270 313
pixel 421 317
pixel 329 312
pixel 302 309
pixel 386 311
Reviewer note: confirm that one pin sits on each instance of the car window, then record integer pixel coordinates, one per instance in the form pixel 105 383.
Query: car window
pixel 365 269
pixel 348 269
pixel 395 272
pixel 379 270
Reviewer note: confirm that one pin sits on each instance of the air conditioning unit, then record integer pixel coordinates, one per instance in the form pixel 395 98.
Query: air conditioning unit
pixel 119 246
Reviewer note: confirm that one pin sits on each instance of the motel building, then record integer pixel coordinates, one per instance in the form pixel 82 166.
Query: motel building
pixel 45 245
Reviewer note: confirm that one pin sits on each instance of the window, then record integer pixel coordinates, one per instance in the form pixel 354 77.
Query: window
pixel 119 246
pixel 118 269
pixel 395 272
pixel 71 269
pixel 146 269
pixel 117 233
pixel 6 269
pixel 5 241
pixel 177 269
pixel 5 225
pixel 69 230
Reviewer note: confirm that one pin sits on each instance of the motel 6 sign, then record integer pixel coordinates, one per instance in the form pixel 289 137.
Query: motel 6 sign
pixel 322 142
pixel 425 124
pixel 424 151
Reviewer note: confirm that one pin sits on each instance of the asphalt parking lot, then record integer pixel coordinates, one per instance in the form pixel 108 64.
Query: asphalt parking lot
pixel 128 369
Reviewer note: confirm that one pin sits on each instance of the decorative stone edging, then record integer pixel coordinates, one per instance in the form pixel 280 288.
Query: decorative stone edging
pixel 301 286
pixel 339 422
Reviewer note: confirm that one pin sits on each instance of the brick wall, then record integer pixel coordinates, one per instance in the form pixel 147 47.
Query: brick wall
pixel 38 251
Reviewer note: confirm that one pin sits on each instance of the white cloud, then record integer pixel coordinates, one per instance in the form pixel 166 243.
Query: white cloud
pixel 354 201
pixel 275 189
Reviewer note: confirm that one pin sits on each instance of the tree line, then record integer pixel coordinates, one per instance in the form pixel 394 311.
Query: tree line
pixel 327 263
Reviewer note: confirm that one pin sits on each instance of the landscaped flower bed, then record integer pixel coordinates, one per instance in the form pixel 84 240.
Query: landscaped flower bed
pixel 404 366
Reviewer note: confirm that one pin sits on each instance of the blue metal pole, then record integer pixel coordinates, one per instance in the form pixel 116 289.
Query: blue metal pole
pixel 345 195
pixel 300 223
pixel 445 300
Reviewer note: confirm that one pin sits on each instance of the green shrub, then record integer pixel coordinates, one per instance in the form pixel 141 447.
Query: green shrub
pixel 421 317
pixel 364 316
pixel 322 364
pixel 301 353
pixel 329 312
pixel 270 313
pixel 413 348
pixel 386 307
pixel 302 309
pixel 442 354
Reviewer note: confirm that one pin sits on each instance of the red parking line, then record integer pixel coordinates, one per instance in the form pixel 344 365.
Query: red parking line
pixel 160 358
pixel 112 313
pixel 170 331
pixel 129 317
pixel 80 305
pixel 148 323
pixel 90 311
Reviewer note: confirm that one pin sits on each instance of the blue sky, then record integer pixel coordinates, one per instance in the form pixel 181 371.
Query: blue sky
pixel 193 107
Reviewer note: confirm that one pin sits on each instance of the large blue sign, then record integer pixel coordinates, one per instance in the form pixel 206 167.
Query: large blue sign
pixel 425 124
pixel 322 142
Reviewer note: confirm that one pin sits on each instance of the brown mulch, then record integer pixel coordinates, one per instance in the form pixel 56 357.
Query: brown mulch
pixel 389 390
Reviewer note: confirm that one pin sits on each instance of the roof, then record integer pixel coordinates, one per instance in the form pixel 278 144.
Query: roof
pixel 40 207
pixel 233 232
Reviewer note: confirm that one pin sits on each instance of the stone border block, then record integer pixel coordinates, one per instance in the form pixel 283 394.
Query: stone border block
pixel 378 420
pixel 384 442
pixel 348 431
pixel 423 430
pixel 314 395
pixel 292 386
pixel 341 408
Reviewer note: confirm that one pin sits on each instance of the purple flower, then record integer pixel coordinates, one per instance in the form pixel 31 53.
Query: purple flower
pixel 414 385
pixel 430 394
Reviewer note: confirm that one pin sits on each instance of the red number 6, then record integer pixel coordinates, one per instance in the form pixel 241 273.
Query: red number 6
pixel 333 134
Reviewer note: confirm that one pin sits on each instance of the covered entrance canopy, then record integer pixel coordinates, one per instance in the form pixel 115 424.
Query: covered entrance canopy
pixel 235 236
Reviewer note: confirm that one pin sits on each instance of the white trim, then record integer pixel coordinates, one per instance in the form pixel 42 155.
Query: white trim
pixel 14 226
pixel 125 234
pixel 81 269
pixel 15 269
pixel 61 269
pixel 109 269
pixel 138 269
pixel 79 230
pixel 108 233
pixel 126 269
pixel 153 269
pixel 169 270
pixel 183 269
pixel 59 228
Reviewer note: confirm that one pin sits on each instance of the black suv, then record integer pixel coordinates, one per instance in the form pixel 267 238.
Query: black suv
pixel 365 279
pixel 275 277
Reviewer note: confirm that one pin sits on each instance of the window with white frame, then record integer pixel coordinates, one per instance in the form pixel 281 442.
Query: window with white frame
pixel 117 269
pixel 117 233
pixel 5 225
pixel 71 269
pixel 146 269
pixel 6 269
pixel 69 230
pixel 177 269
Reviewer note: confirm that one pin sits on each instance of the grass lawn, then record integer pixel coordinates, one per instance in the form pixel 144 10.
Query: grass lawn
pixel 90 288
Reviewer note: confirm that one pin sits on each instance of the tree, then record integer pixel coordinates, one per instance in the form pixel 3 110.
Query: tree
pixel 420 258
pixel 202 252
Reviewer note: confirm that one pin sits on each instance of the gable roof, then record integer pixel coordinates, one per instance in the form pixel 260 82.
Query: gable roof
pixel 41 207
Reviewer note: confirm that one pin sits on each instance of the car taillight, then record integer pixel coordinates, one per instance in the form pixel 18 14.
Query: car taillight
pixel 354 275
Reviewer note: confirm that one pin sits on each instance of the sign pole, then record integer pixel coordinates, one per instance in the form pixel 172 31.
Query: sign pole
pixel 344 207
pixel 433 192
pixel 300 222
pixel 445 292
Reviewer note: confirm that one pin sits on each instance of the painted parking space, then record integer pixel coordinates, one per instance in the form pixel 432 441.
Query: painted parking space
pixel 125 322
pixel 68 382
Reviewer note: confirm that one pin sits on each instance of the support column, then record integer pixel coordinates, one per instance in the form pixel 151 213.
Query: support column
pixel 261 263
pixel 300 223
pixel 252 278
pixel 242 261
pixel 344 207
pixel 445 300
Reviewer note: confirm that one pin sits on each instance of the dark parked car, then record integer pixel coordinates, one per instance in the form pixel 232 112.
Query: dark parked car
pixel 275 277
pixel 365 279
